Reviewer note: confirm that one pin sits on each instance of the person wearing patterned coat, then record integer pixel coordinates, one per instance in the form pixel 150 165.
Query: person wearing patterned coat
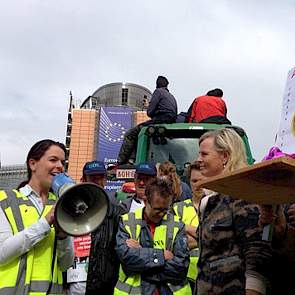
pixel 233 258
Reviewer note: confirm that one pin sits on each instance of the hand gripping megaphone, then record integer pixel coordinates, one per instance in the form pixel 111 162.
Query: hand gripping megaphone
pixel 80 208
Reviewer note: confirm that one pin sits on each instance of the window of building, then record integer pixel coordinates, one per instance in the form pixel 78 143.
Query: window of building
pixel 69 129
pixel 68 141
pixel 69 118
pixel 93 102
pixel 125 96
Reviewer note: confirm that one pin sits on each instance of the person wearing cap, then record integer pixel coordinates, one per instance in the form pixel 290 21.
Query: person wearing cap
pixel 95 172
pixel 103 264
pixel 162 109
pixel 144 173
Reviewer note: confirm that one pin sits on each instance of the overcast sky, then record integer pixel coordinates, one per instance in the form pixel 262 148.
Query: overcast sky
pixel 49 48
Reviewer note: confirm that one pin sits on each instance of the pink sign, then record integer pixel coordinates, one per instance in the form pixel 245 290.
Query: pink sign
pixel 82 246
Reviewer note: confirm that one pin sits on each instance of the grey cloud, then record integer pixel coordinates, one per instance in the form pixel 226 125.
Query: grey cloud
pixel 51 47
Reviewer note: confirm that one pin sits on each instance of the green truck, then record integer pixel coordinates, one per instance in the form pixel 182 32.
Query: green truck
pixel 177 143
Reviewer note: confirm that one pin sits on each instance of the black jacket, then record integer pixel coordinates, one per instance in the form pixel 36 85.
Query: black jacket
pixel 103 261
pixel 283 260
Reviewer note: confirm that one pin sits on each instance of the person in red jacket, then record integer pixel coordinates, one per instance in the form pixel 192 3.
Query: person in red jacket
pixel 209 108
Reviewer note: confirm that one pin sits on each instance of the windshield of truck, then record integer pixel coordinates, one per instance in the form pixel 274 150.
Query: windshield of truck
pixel 177 150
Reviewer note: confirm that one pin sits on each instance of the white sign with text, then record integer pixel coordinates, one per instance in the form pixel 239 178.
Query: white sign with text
pixel 286 138
pixel 125 173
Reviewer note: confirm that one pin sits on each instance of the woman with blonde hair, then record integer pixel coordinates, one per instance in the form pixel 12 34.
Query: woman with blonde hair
pixel 234 259
pixel 180 189
pixel 230 146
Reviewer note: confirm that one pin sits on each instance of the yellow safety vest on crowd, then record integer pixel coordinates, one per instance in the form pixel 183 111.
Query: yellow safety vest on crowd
pixel 186 212
pixel 164 237
pixel 30 273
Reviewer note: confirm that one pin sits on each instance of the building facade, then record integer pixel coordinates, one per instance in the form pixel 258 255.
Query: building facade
pixel 118 94
pixel 83 140
pixel 96 128
pixel 11 176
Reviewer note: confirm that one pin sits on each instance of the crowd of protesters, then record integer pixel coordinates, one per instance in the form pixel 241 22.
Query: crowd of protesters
pixel 167 238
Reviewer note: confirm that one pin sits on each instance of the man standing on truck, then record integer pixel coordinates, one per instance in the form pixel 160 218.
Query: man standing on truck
pixel 161 109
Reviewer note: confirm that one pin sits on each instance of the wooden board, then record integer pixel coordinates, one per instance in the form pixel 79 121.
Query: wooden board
pixel 268 182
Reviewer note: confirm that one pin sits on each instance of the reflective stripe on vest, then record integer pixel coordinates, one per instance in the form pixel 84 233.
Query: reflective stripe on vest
pixel 30 272
pixel 164 237
pixel 180 290
pixel 36 287
pixel 127 289
pixel 187 213
pixel 130 285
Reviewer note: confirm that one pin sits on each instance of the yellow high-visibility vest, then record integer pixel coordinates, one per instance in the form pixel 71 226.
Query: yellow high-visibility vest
pixel 186 212
pixel 30 273
pixel 164 237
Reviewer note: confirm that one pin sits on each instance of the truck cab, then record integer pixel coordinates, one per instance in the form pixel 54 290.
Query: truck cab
pixel 178 143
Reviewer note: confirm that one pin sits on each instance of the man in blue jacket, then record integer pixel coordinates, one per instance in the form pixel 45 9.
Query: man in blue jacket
pixel 152 247
pixel 161 109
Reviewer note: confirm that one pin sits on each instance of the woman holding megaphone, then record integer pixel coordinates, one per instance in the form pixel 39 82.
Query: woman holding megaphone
pixel 32 254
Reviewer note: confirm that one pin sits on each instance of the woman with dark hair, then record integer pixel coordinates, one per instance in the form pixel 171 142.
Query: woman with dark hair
pixel 32 253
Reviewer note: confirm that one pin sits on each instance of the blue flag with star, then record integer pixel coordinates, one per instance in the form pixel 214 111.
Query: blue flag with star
pixel 114 122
